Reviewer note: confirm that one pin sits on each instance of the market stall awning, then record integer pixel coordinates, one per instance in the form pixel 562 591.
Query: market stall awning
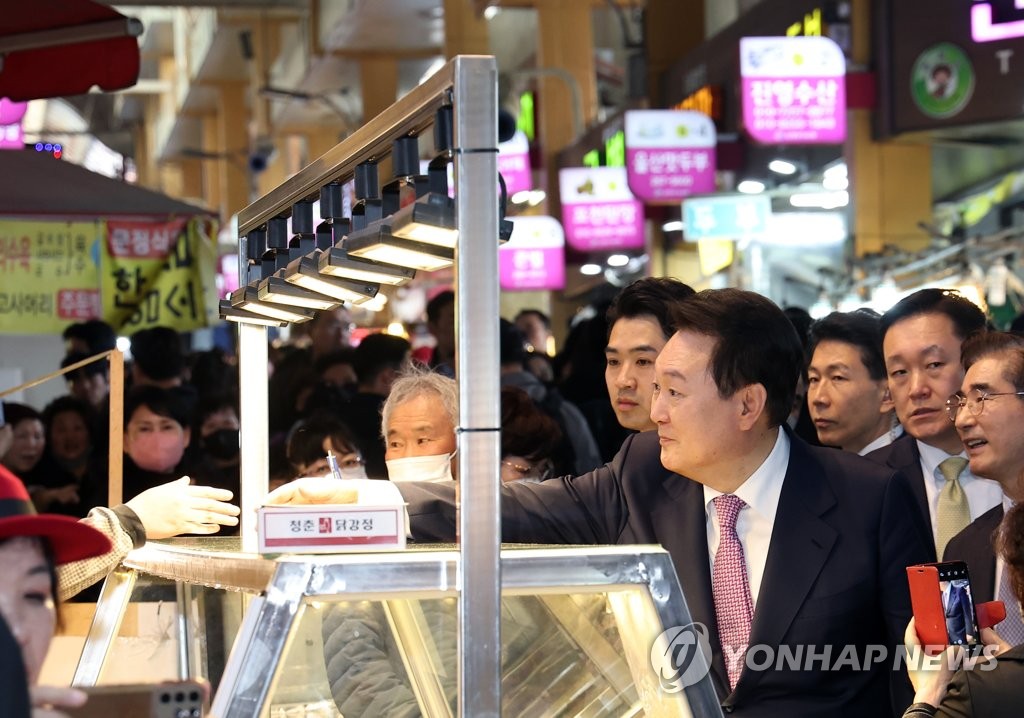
pixel 65 47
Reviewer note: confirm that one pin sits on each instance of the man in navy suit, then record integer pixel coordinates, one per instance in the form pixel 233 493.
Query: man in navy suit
pixel 812 549
pixel 989 414
pixel 921 338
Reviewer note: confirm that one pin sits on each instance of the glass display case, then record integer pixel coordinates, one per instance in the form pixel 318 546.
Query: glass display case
pixel 377 634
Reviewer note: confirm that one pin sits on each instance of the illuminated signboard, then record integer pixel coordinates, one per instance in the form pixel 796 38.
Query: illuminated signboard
pixel 707 100
pixel 985 29
pixel 598 210
pixel 670 154
pixel 534 259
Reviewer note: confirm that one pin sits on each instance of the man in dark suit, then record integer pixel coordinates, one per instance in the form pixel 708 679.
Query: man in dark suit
pixel 776 543
pixel 959 616
pixel 989 414
pixel 922 334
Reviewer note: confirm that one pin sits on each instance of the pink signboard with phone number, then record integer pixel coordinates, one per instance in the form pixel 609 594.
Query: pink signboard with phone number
pixel 599 212
pixel 534 259
pixel 670 154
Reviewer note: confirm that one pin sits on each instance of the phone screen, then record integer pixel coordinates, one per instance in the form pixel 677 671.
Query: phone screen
pixel 958 604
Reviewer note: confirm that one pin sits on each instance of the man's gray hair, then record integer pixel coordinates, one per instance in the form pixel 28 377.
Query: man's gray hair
pixel 416 382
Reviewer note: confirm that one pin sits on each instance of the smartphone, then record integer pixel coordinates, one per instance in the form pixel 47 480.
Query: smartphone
pixel 183 699
pixel 943 604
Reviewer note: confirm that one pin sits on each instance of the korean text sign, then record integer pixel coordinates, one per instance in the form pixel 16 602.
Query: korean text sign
pixel 598 210
pixel 794 90
pixel 534 258
pixel 670 154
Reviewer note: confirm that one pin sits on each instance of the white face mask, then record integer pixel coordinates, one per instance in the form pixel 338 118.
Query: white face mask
pixel 435 468
pixel 353 472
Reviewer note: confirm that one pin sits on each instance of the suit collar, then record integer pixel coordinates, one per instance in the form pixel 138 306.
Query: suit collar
pixel 905 458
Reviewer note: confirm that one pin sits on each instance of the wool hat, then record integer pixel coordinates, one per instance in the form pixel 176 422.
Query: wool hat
pixel 69 539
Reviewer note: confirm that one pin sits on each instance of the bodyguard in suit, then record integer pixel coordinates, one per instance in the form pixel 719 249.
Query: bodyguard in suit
pixel 776 543
pixel 989 415
pixel 921 338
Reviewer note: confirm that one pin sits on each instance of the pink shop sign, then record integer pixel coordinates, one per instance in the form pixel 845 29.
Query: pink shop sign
pixel 670 154
pixel 12 135
pixel 514 163
pixel 794 90
pixel 598 210
pixel 534 259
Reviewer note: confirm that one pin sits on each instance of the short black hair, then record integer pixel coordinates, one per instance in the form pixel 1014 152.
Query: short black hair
pixel 650 296
pixel 860 329
pixel 63 404
pixel 966 316
pixel 544 318
pixel 436 305
pixel 169 403
pixel 1009 347
pixel 345 355
pixel 158 353
pixel 526 429
pixel 754 344
pixel 305 442
pixel 96 333
pixel 511 343
pixel 377 352
pixel 100 366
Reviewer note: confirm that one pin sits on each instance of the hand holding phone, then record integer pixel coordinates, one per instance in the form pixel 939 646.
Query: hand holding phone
pixel 183 699
pixel 943 604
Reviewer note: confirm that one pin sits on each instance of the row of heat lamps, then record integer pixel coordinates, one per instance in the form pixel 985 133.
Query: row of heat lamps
pixel 409 225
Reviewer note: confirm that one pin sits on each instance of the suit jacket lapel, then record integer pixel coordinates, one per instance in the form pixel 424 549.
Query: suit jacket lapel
pixel 800 545
pixel 680 524
pixel 905 458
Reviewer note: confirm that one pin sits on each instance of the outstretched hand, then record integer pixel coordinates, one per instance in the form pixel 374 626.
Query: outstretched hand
pixel 313 490
pixel 177 507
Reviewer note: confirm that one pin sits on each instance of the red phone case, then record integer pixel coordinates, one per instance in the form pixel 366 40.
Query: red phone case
pixel 926 600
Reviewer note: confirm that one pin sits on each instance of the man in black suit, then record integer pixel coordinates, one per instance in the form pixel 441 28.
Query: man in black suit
pixel 989 414
pixel 813 544
pixel 921 338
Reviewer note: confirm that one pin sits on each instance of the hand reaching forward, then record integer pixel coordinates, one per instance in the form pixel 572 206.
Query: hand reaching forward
pixel 180 508
pixel 313 490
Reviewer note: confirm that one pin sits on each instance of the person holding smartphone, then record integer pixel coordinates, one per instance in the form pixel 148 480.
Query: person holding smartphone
pixel 992 689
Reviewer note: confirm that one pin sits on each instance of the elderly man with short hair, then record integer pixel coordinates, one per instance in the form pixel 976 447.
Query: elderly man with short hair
pixel 418 422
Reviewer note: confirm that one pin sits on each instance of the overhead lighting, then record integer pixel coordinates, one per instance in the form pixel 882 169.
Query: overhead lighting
pixel 618 260
pixel 536 197
pixel 835 183
pixel 675 225
pixel 837 170
pixel 429 219
pixel 821 200
pixel 276 290
pixel 337 262
pixel 376 304
pixel 247 298
pixel 376 242
pixel 491 12
pixel 521 197
pixel 591 269
pixel 750 187
pixel 241 316
pixel 782 167
pixel 304 273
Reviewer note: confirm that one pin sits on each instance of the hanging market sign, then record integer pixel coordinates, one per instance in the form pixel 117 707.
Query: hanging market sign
pixel 794 90
pixel 598 210
pixel 534 259
pixel 514 163
pixel 670 154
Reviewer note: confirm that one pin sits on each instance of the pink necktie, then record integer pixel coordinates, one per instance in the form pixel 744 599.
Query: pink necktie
pixel 734 607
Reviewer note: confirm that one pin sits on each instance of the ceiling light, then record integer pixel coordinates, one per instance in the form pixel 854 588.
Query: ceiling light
pixel 618 260
pixel 591 269
pixel 837 170
pixel 376 304
pixel 835 183
pixel 676 225
pixel 337 262
pixel 521 197
pixel 429 219
pixel 241 316
pixel 376 242
pixel 276 290
pixel 305 273
pixel 536 197
pixel 750 187
pixel 822 200
pixel 247 298
pixel 782 167
pixel 491 11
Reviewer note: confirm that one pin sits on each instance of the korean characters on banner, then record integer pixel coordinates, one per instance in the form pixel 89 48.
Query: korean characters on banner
pixel 153 273
pixel 598 210
pixel 794 90
pixel 534 258
pixel 49 275
pixel 514 163
pixel 670 154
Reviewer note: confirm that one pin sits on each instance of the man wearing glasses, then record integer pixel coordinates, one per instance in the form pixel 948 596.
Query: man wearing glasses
pixel 921 338
pixel 988 413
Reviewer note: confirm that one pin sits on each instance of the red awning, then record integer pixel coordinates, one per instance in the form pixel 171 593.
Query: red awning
pixel 65 47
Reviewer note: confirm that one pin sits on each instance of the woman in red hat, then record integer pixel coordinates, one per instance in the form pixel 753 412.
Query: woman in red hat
pixel 31 547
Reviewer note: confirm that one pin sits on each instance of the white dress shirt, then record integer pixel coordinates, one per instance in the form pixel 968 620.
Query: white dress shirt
pixel 760 492
pixel 982 494
pixel 884 440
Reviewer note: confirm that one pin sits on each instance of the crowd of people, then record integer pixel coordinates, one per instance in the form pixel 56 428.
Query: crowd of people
pixel 793 470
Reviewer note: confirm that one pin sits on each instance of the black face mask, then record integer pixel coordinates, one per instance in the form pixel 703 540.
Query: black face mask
pixel 221 444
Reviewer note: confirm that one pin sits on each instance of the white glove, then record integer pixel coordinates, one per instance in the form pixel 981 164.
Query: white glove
pixel 179 508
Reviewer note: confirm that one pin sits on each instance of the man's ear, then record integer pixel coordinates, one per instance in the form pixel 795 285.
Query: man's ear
pixel 887 404
pixel 753 398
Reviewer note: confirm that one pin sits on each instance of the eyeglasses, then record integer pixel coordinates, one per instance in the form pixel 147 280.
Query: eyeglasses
pixel 974 401
pixel 541 470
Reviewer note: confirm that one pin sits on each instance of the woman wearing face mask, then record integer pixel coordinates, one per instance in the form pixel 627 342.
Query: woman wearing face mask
pixel 31 547
pixel 156 435
pixel 309 441
pixel 76 475
pixel 529 438
pixel 219 461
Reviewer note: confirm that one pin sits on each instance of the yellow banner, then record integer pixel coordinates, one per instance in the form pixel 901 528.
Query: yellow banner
pixel 152 274
pixel 49 274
